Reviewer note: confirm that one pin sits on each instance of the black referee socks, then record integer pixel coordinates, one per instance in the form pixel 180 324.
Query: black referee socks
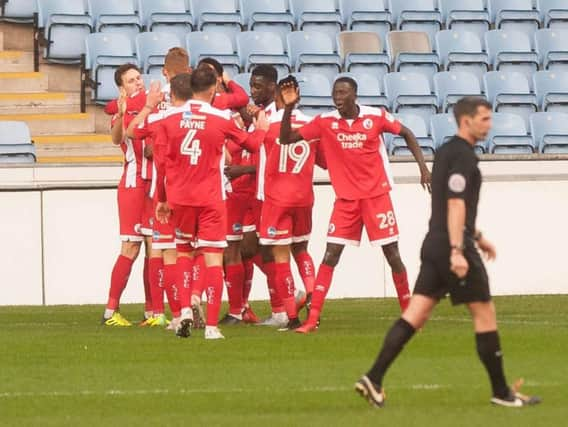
pixel 489 351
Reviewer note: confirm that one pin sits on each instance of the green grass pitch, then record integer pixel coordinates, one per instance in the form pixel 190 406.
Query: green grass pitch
pixel 58 366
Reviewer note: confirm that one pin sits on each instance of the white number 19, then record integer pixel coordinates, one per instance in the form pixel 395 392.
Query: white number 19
pixel 297 152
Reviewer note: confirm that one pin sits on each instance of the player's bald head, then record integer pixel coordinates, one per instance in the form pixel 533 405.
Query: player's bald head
pixel 346 81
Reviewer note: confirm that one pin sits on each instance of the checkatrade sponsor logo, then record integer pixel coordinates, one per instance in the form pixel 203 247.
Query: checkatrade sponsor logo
pixel 351 141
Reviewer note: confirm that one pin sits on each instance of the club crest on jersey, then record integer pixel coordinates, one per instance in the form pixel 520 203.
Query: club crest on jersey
pixel 331 228
pixel 186 115
pixel 335 125
pixel 156 235
pixel 271 231
pixel 237 228
pixel 368 124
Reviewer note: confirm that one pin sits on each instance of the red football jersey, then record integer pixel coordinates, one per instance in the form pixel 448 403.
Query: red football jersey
pixel 355 151
pixel 191 140
pixel 233 99
pixel 286 171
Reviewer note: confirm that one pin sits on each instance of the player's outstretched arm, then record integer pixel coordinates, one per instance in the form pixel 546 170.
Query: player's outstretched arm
pixel 290 95
pixel 414 147
pixel 153 98
pixel 117 130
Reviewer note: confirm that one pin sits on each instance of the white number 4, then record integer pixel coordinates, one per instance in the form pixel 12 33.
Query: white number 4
pixel 387 220
pixel 190 147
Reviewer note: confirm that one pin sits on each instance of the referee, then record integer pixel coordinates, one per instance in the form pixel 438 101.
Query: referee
pixel 451 262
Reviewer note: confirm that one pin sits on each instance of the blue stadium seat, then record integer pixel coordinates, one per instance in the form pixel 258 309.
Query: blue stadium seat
pixel 450 86
pixel 362 51
pixel 104 53
pixel 116 16
pixel 517 15
pixel 551 90
pixel 172 16
pixel 315 93
pixel 511 51
pixel 509 135
pixel 369 90
pixel 317 15
pixel 417 15
pixel 313 52
pixel 215 45
pixel 553 13
pixel 260 47
pixel 411 51
pixel 243 80
pixel 217 15
pixel 461 51
pixel 365 15
pixel 466 15
pixel 16 145
pixel 397 145
pixel 65 25
pixel 443 127
pixel 552 49
pixel 19 11
pixel 151 50
pixel 410 93
pixel 550 132
pixel 268 15
pixel 510 92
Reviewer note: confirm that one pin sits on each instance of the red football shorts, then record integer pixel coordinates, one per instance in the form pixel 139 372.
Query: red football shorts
pixel 284 226
pixel 238 204
pixel 349 216
pixel 131 203
pixel 251 220
pixel 203 226
pixel 148 214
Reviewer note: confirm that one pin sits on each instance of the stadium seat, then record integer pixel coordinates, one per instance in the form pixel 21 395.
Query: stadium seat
pixel 260 47
pixel 443 127
pixel 172 16
pixel 149 78
pixel 466 15
pixel 511 51
pixel 551 90
pixel 550 132
pixel 397 145
pixel 553 13
pixel 362 51
pixel 65 25
pixel 104 53
pixel 517 15
pixel 450 86
pixel 217 15
pixel 151 50
pixel 410 93
pixel 461 51
pixel 19 11
pixel 317 15
pixel 116 16
pixel 510 92
pixel 365 15
pixel 313 52
pixel 509 135
pixel 417 15
pixel 16 145
pixel 411 51
pixel 369 91
pixel 243 80
pixel 215 45
pixel 267 15
pixel 552 49
pixel 315 93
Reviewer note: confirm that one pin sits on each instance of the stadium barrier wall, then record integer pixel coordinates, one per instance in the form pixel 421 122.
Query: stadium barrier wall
pixel 60 234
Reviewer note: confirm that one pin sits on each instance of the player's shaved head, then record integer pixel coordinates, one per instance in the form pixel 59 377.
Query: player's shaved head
pixel 263 84
pixel 347 80
pixel 213 64
pixel 203 79
pixel 266 71
pixel 180 87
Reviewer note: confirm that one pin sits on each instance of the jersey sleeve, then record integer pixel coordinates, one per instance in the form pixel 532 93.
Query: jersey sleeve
pixel 249 141
pixel 320 156
pixel 389 123
pixel 311 130
pixel 460 174
pixel 142 131
pixel 160 151
pixel 111 108
pixel 236 97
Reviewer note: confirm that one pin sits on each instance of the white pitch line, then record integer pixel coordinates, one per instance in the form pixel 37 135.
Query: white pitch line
pixel 499 321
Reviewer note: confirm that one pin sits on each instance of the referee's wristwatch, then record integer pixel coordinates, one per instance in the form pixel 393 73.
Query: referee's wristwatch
pixel 457 248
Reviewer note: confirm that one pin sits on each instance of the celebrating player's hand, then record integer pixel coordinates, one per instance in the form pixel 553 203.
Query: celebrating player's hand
pixel 458 264
pixel 252 110
pixel 226 78
pixel 290 93
pixel 426 180
pixel 155 95
pixel 121 102
pixel 163 212
pixel 487 249
pixel 261 121
pixel 235 171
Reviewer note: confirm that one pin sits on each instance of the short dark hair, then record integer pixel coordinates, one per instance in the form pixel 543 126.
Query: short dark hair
pixel 351 82
pixel 468 106
pixel 123 69
pixel 202 79
pixel 267 71
pixel 212 62
pixel 180 86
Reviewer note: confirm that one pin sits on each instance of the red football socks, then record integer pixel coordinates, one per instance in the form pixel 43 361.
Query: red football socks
pixel 147 290
pixel 156 278
pixel 307 270
pixel 257 260
pixel 118 280
pixel 275 300
pixel 249 272
pixel 402 289
pixel 284 283
pixel 214 291
pixel 322 284
pixel 170 276
pixel 199 274
pixel 184 279
pixel 235 277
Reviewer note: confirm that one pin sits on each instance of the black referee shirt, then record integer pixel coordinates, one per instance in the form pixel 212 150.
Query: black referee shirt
pixel 455 174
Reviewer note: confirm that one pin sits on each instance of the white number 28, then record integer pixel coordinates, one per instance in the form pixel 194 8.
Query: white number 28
pixel 387 220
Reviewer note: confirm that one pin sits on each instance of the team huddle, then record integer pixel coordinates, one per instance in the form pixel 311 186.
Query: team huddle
pixel 214 185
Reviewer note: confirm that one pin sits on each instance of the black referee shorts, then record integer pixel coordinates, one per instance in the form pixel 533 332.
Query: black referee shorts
pixel 435 279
